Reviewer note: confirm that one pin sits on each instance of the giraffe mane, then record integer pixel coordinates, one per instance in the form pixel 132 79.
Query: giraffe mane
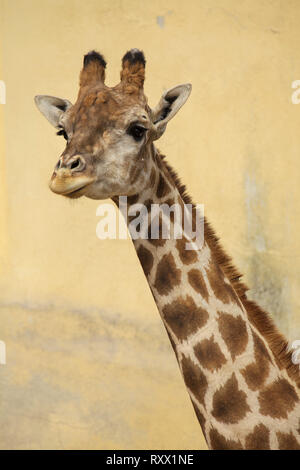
pixel 261 319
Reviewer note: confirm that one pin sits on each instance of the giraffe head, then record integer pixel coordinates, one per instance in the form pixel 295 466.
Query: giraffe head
pixel 108 131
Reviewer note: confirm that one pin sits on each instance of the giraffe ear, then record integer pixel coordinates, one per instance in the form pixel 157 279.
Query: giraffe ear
pixel 170 103
pixel 52 108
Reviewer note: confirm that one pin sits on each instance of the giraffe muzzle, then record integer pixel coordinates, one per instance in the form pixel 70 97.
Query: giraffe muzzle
pixel 65 182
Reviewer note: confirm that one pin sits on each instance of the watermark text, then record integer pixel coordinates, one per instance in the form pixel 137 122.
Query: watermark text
pixel 152 221
pixel 2 92
pixel 2 353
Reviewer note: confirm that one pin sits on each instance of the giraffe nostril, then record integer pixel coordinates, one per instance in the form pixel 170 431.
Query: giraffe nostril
pixel 57 166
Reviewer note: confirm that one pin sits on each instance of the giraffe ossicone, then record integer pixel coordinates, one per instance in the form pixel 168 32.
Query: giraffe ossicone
pixel 235 364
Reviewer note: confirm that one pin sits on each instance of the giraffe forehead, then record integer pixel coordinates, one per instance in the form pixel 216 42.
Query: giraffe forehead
pixel 104 106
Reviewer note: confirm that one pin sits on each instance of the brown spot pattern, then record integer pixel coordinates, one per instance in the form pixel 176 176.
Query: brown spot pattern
pixel 194 379
pixel 146 259
pixel 229 403
pixel 162 188
pixel 260 349
pixel 147 204
pixel 167 275
pixel 134 174
pixel 219 442
pixel 259 439
pixel 152 178
pixel 222 291
pixel 186 256
pixel 197 282
pixel 278 399
pixel 184 317
pixel 234 333
pixel 287 441
pixel 209 354
pixel 256 373
pixel 132 199
pixel 158 226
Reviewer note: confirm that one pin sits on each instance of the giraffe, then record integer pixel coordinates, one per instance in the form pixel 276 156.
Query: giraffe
pixel 235 364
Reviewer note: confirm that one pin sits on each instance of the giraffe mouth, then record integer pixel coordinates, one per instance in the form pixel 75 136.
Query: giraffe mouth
pixel 69 188
pixel 76 193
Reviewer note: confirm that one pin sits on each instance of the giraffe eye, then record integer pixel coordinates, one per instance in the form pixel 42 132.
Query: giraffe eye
pixel 63 133
pixel 136 131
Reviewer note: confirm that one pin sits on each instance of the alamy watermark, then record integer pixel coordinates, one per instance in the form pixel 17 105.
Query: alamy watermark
pixel 154 221
pixel 2 353
pixel 2 92
pixel 295 347
pixel 296 94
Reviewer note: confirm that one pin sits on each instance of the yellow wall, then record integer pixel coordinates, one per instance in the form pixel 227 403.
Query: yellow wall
pixel 88 361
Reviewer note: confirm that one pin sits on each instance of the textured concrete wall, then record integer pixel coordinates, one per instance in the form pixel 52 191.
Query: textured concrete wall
pixel 88 361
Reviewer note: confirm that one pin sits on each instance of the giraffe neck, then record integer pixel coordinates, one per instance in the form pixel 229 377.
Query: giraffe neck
pixel 240 394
